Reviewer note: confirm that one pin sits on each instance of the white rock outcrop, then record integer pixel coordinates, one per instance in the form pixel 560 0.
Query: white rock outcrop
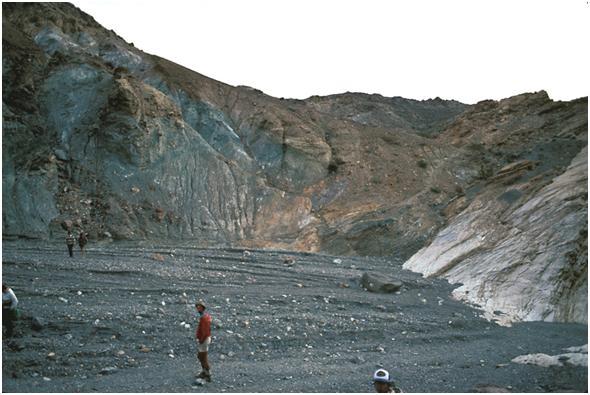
pixel 519 250
pixel 577 356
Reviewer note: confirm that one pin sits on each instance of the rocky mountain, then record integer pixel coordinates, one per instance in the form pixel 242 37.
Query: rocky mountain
pixel 131 146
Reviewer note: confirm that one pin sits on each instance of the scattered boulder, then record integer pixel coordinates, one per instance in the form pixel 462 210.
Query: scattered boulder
pixel 357 360
pixel 61 155
pixel 379 284
pixel 485 388
pixel 289 261
pixel 37 324
pixel 108 370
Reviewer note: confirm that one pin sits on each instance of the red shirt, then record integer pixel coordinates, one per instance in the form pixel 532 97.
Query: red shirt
pixel 204 329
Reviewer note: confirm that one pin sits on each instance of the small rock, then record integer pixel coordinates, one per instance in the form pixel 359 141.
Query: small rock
pixel 63 299
pixel 46 379
pixel 79 293
pixel 108 370
pixel 68 336
pixel 51 355
pixel 357 360
pixel 289 261
pixel 63 156
pixel 143 348
pixel 120 353
pixel 187 326
pixel 484 388
pixel 37 324
pixel 199 383
pixel 337 261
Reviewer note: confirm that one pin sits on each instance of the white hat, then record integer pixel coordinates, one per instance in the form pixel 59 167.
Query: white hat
pixel 382 376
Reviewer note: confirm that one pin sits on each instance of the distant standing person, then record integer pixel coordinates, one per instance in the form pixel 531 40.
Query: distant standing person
pixel 383 382
pixel 9 312
pixel 203 336
pixel 70 241
pixel 82 240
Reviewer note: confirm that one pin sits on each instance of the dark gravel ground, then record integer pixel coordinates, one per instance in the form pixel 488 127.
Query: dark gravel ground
pixel 112 322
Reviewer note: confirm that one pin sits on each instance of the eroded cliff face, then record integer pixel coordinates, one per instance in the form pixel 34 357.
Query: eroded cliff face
pixel 519 247
pixel 131 146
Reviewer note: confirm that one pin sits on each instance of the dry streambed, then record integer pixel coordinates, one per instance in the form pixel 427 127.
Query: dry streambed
pixel 121 319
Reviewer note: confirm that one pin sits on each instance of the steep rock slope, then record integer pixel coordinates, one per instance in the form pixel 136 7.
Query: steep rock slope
pixel 132 146
pixel 519 247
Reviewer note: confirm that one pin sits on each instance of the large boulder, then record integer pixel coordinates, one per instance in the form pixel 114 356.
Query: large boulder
pixel 379 283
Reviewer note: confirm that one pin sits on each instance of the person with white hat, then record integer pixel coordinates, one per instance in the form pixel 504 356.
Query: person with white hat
pixel 203 336
pixel 383 382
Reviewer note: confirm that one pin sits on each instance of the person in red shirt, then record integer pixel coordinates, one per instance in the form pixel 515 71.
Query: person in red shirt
pixel 203 336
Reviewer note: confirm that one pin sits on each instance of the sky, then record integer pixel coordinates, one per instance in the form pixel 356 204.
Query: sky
pixel 467 50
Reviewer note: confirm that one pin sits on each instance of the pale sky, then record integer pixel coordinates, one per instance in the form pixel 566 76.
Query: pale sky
pixel 467 50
